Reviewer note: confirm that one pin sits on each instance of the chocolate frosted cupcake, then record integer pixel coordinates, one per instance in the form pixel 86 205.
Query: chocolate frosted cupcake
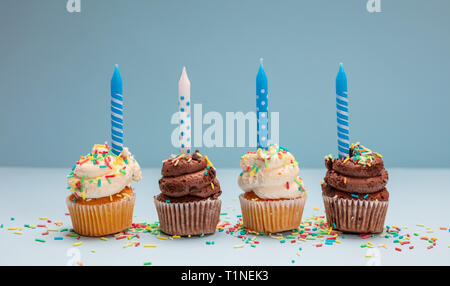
pixel 354 191
pixel 189 202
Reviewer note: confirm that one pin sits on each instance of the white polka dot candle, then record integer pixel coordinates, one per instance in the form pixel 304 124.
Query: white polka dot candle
pixel 116 112
pixel 262 110
pixel 184 98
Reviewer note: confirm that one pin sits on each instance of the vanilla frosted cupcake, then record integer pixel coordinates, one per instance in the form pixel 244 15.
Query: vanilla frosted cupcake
pixel 274 195
pixel 102 199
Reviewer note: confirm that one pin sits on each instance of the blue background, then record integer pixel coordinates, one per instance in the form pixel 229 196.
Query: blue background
pixel 55 69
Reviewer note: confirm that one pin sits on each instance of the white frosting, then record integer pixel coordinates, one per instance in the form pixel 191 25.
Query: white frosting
pixel 106 169
pixel 271 174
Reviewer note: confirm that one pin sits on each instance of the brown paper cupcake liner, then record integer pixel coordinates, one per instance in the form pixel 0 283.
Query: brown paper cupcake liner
pixel 272 216
pixel 357 216
pixel 192 218
pixel 102 219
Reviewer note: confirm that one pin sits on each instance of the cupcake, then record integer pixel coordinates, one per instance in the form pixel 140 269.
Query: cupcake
pixel 102 199
pixel 354 191
pixel 274 195
pixel 189 201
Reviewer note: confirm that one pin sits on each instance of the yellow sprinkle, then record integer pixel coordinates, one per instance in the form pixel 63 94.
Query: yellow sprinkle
pixel 110 198
pixel 430 231
pixel 93 250
pixel 77 243
pixel 212 185
pixel 383 245
pixel 176 236
pixel 420 224
pixel 208 162
pixel 368 255
pixel 162 237
pixel 103 238
pixel 21 228
pixel 346 159
pixel 149 245
pixel 17 232
pixel 316 209
pixel 433 238
pixel 12 228
pixel 370 243
pixel 238 246
pixel 338 241
pixel 52 229
pixel 119 195
pixel 43 218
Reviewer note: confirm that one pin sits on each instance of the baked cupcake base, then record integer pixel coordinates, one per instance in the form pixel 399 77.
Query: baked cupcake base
pixel 355 215
pixel 189 218
pixel 270 216
pixel 99 218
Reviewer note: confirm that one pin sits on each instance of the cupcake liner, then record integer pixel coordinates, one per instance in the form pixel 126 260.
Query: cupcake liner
pixel 101 219
pixel 357 216
pixel 272 216
pixel 191 218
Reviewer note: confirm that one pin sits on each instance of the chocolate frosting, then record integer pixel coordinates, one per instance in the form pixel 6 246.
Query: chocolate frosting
pixel 188 178
pixel 361 174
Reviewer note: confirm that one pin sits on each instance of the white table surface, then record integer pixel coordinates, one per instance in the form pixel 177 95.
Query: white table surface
pixel 417 196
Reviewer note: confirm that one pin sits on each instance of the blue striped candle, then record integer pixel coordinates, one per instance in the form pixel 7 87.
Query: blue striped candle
pixel 342 113
pixel 262 110
pixel 116 112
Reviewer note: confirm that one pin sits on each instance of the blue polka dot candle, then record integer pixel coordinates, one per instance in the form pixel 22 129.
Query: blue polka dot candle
pixel 262 111
pixel 116 112
pixel 184 98
pixel 342 113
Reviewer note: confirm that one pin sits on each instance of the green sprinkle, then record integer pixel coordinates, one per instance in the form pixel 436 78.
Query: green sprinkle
pixel 167 201
pixel 39 240
pixel 147 263
pixel 99 182
pixel 109 180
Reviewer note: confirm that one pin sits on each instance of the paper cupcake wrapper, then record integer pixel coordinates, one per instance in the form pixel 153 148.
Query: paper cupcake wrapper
pixel 102 219
pixel 272 216
pixel 192 218
pixel 357 216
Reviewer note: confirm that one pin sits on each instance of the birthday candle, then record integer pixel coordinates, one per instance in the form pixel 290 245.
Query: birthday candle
pixel 342 113
pixel 116 112
pixel 262 107
pixel 184 98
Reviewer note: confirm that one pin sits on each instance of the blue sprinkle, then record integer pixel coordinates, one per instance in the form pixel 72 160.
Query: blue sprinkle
pixel 355 196
pixel 366 196
pixel 58 238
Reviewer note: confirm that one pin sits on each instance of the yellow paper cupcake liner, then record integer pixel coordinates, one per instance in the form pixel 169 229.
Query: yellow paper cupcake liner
pixel 102 219
pixel 272 216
